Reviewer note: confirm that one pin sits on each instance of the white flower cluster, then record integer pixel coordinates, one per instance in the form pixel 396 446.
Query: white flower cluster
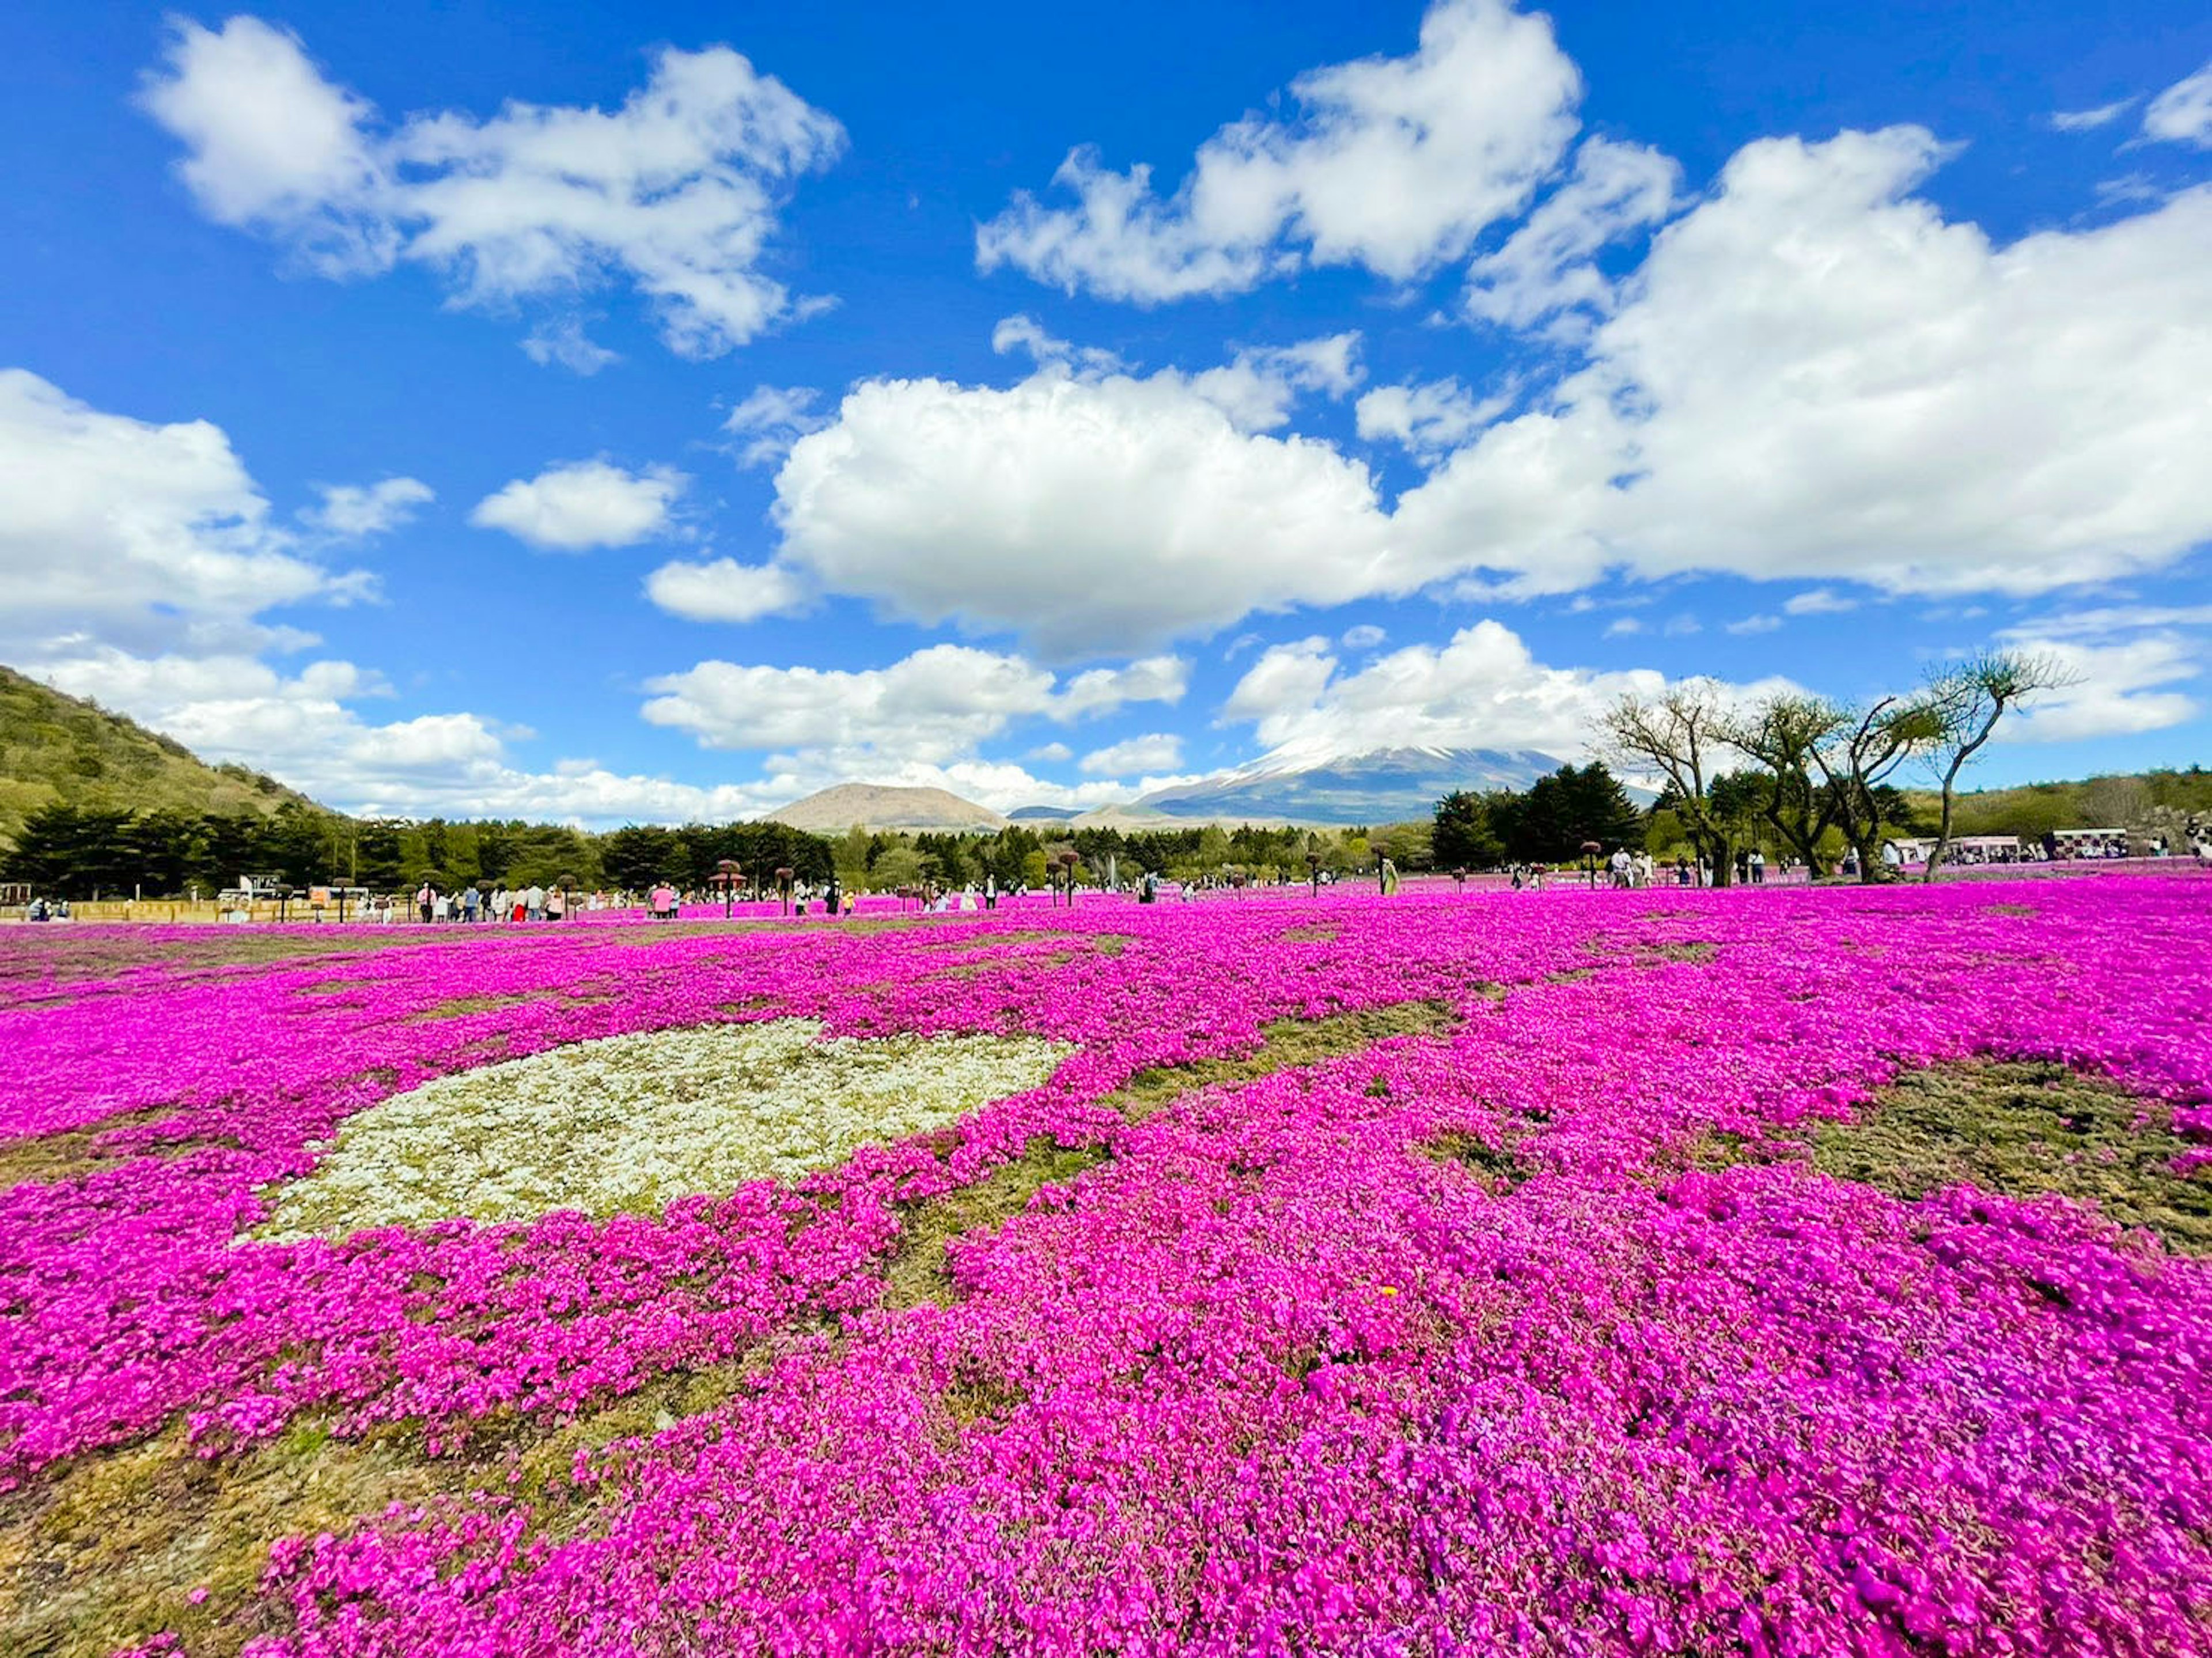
pixel 628 1124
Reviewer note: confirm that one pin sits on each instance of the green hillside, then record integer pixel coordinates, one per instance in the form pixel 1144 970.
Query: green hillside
pixel 2155 799
pixel 59 748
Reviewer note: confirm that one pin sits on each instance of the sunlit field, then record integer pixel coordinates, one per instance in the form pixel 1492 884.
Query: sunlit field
pixel 1790 1271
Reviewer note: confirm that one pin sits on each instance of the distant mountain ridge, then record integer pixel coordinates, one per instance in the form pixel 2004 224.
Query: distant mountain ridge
pixel 56 749
pixel 1383 786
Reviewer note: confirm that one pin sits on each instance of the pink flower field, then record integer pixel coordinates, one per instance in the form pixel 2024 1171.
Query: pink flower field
pixel 1809 1271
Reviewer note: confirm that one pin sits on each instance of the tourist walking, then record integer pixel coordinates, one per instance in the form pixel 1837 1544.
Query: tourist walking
pixel 426 899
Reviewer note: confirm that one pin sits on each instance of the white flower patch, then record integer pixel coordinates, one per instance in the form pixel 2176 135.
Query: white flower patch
pixel 630 1124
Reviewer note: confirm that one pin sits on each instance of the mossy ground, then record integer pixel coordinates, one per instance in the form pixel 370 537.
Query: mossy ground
pixel 2023 1130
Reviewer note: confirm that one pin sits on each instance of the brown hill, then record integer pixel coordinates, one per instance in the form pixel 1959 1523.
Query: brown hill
pixel 883 806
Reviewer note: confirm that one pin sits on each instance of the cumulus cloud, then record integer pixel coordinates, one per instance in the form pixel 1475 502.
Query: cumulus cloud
pixel 1102 690
pixel 301 729
pixel 580 505
pixel 1024 333
pixel 769 422
pixel 1257 388
pixel 1395 164
pixel 1364 637
pixel 2182 115
pixel 2123 660
pixel 136 532
pixel 723 590
pixel 1092 514
pixel 355 512
pixel 932 707
pixel 1427 419
pixel 1155 751
pixel 1814 376
pixel 2120 689
pixel 677 191
pixel 1482 689
pixel 1547 265
pixel 1817 376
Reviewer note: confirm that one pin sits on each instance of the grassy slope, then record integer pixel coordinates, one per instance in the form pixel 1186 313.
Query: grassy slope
pixel 2118 802
pixel 57 748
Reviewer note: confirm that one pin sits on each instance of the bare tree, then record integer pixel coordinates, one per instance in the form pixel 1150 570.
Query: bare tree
pixel 1679 734
pixel 1969 698
pixel 1860 755
pixel 1782 732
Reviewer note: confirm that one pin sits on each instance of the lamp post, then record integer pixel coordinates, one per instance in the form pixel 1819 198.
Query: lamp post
pixel 1590 851
pixel 783 887
pixel 1313 871
pixel 726 875
pixel 1067 860
pixel 568 885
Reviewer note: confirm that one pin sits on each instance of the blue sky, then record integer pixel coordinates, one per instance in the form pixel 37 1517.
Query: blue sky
pixel 658 413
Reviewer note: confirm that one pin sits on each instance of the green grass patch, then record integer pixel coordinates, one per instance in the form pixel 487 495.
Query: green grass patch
pixel 2023 1130
pixel 105 1552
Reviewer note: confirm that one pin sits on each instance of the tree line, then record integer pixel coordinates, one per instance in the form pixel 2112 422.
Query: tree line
pixel 76 853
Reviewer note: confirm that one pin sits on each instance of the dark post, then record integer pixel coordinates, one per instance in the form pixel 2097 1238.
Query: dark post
pixel 1313 871
pixel 783 886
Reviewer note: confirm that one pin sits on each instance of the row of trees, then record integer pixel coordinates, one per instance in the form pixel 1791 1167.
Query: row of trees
pixel 73 851
pixel 1819 766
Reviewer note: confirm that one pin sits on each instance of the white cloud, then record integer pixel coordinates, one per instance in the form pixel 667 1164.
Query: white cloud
pixel 932 707
pixel 1364 637
pixel 1482 689
pixel 1754 624
pixel 1622 626
pixel 300 730
pixel 1093 514
pixel 563 341
pixel 723 590
pixel 1545 266
pixel 2088 120
pixel 353 512
pixel 1102 690
pixel 1023 332
pixel 1258 386
pixel 2182 115
pixel 2119 690
pixel 1427 419
pixel 1397 164
pixel 769 422
pixel 134 532
pixel 2106 621
pixel 580 505
pixel 1817 376
pixel 1155 751
pixel 1820 601
pixel 1814 376
pixel 1052 753
pixel 677 191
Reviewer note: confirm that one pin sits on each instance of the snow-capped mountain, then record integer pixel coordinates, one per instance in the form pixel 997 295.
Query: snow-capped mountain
pixel 1383 786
